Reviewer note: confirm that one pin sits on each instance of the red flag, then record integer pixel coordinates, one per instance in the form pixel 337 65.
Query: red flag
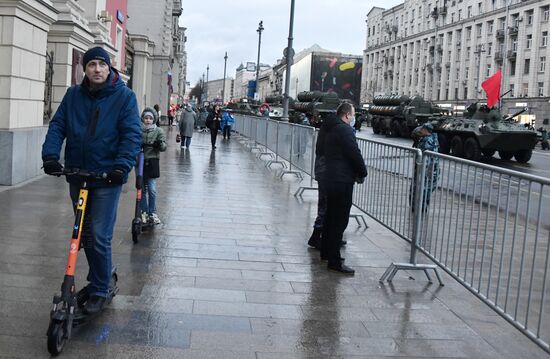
pixel 492 88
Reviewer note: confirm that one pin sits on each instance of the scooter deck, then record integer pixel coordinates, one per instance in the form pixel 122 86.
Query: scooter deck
pixel 80 317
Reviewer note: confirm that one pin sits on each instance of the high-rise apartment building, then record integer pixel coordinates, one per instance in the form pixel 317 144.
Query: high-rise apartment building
pixel 443 50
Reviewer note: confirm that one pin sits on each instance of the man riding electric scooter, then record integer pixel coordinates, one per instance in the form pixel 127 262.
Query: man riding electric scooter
pixel 99 119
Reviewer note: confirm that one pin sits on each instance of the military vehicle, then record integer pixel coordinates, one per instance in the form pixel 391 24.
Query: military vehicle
pixel 398 115
pixel 275 104
pixel 316 105
pixel 482 132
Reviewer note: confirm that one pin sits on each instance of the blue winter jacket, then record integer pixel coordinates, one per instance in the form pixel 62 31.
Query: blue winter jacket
pixel 102 128
pixel 227 120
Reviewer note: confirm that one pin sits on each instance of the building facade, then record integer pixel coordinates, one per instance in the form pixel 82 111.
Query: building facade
pixel 243 76
pixel 159 67
pixel 443 50
pixel 214 91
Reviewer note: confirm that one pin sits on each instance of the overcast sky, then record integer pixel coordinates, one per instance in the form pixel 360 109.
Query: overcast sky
pixel 216 26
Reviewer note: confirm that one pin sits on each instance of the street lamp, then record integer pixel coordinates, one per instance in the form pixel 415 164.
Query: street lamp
pixel 224 68
pixel 202 89
pixel 289 54
pixel 259 31
pixel 206 87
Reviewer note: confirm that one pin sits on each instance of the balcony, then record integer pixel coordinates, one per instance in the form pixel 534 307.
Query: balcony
pixel 430 67
pixel 500 34
pixel 439 48
pixel 431 49
pixel 511 54
pixel 176 8
pixel 499 55
pixel 513 30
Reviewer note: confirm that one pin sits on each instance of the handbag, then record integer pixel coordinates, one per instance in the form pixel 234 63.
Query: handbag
pixel 152 168
pixel 178 138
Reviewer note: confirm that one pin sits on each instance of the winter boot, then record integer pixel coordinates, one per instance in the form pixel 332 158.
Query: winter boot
pixel 315 239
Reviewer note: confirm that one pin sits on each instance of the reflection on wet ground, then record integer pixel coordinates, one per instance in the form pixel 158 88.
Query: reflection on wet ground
pixel 228 274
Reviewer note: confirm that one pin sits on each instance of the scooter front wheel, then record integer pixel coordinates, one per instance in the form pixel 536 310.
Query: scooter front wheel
pixel 56 338
pixel 136 230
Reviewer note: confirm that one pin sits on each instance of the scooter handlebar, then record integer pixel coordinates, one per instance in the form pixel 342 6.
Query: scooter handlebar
pixel 87 175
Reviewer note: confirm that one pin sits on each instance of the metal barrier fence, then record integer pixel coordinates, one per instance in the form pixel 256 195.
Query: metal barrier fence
pixel 486 227
pixel 483 225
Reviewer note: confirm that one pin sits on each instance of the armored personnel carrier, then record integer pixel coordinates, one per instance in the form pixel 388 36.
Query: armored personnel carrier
pixel 399 115
pixel 316 105
pixel 482 132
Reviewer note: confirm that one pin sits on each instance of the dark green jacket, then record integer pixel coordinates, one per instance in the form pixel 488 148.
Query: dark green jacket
pixel 149 138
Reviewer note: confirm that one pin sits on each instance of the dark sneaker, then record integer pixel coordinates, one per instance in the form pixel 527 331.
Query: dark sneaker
pixel 94 304
pixel 342 268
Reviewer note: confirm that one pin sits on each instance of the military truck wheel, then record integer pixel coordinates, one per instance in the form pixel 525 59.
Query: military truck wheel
pixel 488 153
pixel 405 131
pixel 395 128
pixel 457 146
pixel 443 144
pixel 376 126
pixel 523 156
pixel 472 151
pixel 505 155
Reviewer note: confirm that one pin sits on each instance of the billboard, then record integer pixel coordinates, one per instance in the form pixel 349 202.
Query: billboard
pixel 340 74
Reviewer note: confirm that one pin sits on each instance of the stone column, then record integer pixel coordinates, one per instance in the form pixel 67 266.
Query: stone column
pixel 68 39
pixel 141 71
pixel 25 25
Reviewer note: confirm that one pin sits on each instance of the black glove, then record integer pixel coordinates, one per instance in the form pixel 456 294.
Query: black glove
pixel 52 166
pixel 116 176
pixel 359 179
pixel 157 144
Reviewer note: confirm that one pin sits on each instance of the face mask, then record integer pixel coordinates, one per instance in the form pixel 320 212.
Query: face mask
pixel 352 122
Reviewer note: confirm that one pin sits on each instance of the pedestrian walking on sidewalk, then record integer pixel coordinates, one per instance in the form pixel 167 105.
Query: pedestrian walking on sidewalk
pixel 344 166
pixel 157 108
pixel 227 123
pixel 153 142
pixel 99 122
pixel 187 122
pixel 213 122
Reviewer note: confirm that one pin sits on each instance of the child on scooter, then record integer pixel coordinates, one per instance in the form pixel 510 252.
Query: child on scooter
pixel 153 142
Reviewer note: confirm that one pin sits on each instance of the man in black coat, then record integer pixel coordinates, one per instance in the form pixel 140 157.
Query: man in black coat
pixel 344 166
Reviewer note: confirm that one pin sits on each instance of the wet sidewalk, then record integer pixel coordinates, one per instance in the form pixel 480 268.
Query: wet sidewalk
pixel 229 275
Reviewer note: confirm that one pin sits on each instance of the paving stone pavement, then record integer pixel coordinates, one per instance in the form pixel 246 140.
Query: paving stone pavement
pixel 228 274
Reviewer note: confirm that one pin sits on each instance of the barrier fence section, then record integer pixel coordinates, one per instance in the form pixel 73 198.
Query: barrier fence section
pixel 487 227
pixel 484 225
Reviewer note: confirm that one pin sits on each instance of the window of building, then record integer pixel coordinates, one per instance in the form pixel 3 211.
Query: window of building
pixel 469 11
pixel 512 90
pixel 488 70
pixel 541 89
pixel 452 17
pixel 490 27
pixel 526 66
pixel 512 68
pixel 529 16
pixel 542 66
pixel 467 73
pixel 468 50
pixel 529 42
pixel 525 89
pixel 468 33
pixel 544 39
pixel 479 8
pixel 489 48
pixel 515 44
pixel 459 15
pixel 545 121
pixel 465 92
pixel 545 13
pixel 479 30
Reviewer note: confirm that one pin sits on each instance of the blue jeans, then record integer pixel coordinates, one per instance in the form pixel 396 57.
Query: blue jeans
pixel 103 203
pixel 185 141
pixel 149 205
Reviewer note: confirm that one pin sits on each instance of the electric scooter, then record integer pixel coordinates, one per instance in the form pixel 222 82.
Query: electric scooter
pixel 67 311
pixel 137 223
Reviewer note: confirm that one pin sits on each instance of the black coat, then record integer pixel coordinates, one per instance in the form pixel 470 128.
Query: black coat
pixel 213 121
pixel 343 159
